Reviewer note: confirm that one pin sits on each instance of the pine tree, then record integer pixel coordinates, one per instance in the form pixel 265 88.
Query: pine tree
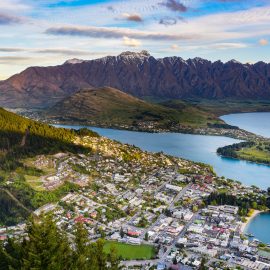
pixel 114 259
pixel 10 255
pixel 82 257
pixel 47 247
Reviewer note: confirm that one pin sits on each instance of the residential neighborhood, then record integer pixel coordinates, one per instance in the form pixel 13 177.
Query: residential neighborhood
pixel 154 201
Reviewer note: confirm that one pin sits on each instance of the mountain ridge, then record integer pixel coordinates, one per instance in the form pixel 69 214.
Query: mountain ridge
pixel 140 75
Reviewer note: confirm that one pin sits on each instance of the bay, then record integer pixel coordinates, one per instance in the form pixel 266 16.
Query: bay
pixel 193 147
pixel 259 226
pixel 258 122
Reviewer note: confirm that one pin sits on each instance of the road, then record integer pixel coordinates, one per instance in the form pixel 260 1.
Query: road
pixel 16 200
pixel 178 196
pixel 181 234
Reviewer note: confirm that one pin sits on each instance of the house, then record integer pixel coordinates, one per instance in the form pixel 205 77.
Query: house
pixel 161 266
pixel 133 233
pixel 134 241
pixel 173 187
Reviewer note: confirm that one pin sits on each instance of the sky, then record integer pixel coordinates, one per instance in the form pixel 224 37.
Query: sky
pixel 46 32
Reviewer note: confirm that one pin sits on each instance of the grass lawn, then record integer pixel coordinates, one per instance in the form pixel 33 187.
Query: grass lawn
pixel 131 252
pixel 34 182
pixel 254 154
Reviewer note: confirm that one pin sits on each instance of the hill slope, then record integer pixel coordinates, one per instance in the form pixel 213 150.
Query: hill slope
pixel 141 75
pixel 22 138
pixel 107 106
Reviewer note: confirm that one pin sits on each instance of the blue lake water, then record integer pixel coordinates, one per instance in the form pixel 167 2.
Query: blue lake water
pixel 258 123
pixel 260 227
pixel 194 147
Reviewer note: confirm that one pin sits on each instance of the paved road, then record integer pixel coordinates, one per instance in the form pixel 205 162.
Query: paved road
pixel 181 234
pixel 179 195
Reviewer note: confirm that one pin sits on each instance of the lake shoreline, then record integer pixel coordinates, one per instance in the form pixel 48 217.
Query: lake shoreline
pixel 246 160
pixel 238 134
pixel 245 224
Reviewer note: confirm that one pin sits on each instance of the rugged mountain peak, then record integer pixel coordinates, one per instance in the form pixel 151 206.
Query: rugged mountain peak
pixel 233 61
pixel 74 61
pixel 142 54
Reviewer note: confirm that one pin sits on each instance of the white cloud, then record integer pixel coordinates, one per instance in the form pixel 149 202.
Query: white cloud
pixel 13 5
pixel 117 32
pixel 131 42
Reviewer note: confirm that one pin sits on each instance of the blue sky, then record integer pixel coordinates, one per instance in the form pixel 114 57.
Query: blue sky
pixel 47 32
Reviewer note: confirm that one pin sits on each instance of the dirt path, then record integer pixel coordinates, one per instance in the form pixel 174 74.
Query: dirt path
pixel 16 200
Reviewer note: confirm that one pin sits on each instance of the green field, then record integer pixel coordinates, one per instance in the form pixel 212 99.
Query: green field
pixel 254 154
pixel 131 252
pixel 252 151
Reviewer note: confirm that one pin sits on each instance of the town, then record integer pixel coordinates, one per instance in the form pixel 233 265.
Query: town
pixel 153 205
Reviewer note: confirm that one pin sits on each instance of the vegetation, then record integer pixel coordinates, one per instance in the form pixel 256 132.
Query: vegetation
pixel 227 106
pixel 245 203
pixel 131 252
pixel 251 151
pixel 48 247
pixel 193 116
pixel 22 138
pixel 113 108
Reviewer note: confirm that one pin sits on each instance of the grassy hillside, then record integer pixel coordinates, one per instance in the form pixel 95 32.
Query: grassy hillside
pixel 21 138
pixel 108 107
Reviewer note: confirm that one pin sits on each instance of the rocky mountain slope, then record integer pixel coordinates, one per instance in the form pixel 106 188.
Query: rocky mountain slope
pixel 139 74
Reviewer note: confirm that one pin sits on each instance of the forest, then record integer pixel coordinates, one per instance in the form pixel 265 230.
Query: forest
pixel 46 247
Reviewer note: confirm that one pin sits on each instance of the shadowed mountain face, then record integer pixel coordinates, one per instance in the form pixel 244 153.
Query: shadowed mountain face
pixel 141 75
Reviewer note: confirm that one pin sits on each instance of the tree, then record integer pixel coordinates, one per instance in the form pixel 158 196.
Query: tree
pixel 46 247
pixel 10 255
pixel 114 259
pixel 82 249
pixel 146 236
pixel 203 264
pixel 122 234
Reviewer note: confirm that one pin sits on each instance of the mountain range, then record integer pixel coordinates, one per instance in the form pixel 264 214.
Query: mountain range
pixel 140 75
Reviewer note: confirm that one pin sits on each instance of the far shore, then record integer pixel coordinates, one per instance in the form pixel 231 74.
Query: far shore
pixel 248 220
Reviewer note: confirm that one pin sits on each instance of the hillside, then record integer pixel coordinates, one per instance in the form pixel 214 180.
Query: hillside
pixel 139 74
pixel 107 106
pixel 22 138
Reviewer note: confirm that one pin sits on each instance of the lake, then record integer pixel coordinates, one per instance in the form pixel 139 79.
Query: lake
pixel 193 147
pixel 258 123
pixel 259 226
